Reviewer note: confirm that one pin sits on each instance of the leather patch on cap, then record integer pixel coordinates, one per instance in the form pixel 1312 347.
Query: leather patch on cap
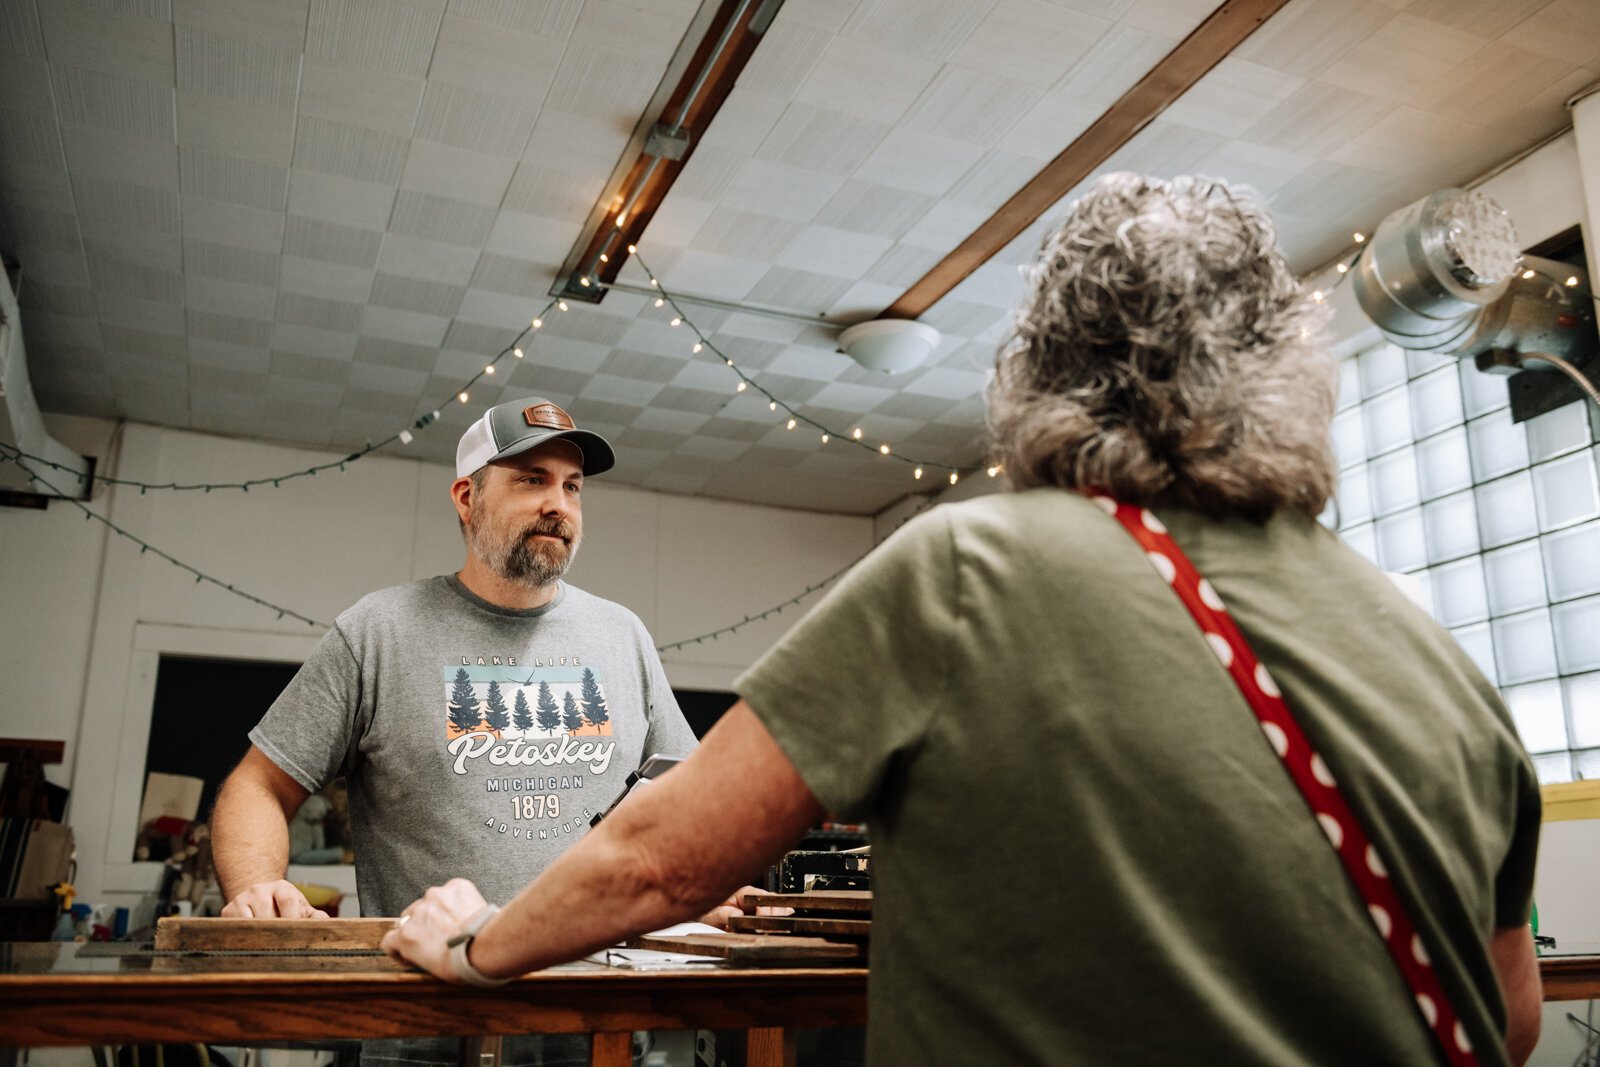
pixel 548 415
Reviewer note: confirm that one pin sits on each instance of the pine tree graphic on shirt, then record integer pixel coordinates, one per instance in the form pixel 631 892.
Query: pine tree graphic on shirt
pixel 595 712
pixel 549 714
pixel 521 714
pixel 462 711
pixel 571 717
pixel 496 716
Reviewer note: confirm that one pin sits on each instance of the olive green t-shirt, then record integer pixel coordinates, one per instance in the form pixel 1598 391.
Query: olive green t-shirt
pixel 1084 849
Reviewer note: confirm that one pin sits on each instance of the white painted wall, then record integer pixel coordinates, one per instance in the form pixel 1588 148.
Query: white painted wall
pixel 87 615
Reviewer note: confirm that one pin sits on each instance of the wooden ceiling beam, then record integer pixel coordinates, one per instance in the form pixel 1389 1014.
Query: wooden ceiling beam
pixel 1223 31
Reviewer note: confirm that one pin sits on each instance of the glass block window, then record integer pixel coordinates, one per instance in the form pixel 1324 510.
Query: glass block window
pixel 1499 523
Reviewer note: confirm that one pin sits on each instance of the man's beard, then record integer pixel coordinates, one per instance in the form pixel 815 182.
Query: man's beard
pixel 518 557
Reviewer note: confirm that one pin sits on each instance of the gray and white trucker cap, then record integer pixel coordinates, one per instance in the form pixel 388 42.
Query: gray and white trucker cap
pixel 512 428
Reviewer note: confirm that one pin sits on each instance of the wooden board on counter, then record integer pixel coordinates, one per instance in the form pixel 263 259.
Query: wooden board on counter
pixel 750 948
pixel 822 900
pixel 800 924
pixel 177 934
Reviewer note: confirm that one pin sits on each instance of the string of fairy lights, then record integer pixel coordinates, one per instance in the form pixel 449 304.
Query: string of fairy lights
pixel 26 462
pixel 791 416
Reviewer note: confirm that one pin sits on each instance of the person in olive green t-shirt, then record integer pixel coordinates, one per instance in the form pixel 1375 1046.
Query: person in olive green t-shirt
pixel 1084 848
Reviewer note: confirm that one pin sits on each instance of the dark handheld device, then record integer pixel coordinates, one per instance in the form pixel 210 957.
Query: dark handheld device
pixel 652 767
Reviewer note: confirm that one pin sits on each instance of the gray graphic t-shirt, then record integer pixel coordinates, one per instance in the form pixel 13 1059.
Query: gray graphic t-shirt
pixel 478 741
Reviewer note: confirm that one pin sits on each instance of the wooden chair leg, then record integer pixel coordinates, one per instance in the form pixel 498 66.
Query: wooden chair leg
pixel 613 1049
pixel 769 1046
pixel 480 1051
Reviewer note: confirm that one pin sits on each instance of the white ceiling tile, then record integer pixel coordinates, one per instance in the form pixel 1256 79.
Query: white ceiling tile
pixel 919 162
pixel 90 36
pixel 571 142
pixel 20 35
pixel 949 384
pixel 456 172
pixel 233 329
pixel 419 257
pixel 394 36
pixel 503 274
pixel 615 390
pixel 946 225
pixel 1232 96
pixel 745 234
pixel 554 18
pixel 994 180
pixel 796 290
pixel 933 29
pixel 397 325
pixel 511 310
pixel 1402 57
pixel 852 398
pixel 105 101
pixel 234 68
pixel 297 274
pixel 811 138
pixel 781 190
pixel 327 242
pixel 1116 63
pixel 235 129
pixel 228 262
pixel 1048 127
pixel 550 192
pixel 602 83
pixel 1264 169
pixel 1172 17
pixel 788 52
pixel 744 121
pixel 205 220
pixel 332 147
pixel 346 201
pixel 1318 119
pixel 826 250
pixel 416 294
pixel 970 105
pixel 1388 145
pixel 1307 35
pixel 527 236
pixel 280 23
pixel 31 140
pixel 481 122
pixel 102 202
pixel 337 316
pixel 1564 29
pixel 221 354
pixel 231 180
pixel 134 160
pixel 309 341
pixel 1494 84
pixel 495 59
pixel 646 31
pixel 862 301
pixel 156 317
pixel 675 223
pixel 440 218
pixel 1030 40
pixel 366 98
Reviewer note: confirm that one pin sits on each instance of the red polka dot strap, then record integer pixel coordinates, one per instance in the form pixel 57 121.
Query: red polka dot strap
pixel 1361 860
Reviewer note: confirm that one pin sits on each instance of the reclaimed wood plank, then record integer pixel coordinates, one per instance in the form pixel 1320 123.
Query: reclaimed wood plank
pixel 749 948
pixel 178 934
pixel 800 924
pixel 828 900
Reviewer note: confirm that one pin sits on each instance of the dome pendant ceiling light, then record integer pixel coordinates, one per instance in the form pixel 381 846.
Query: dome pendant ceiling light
pixel 889 345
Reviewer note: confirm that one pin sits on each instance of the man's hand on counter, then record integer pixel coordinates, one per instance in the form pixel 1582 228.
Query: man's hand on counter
pixel 272 900
pixel 421 936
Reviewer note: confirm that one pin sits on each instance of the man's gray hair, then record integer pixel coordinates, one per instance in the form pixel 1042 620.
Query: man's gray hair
pixel 1165 354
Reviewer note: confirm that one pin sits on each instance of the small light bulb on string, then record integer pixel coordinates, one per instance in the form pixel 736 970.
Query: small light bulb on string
pixel 772 405
pixel 1360 238
pixel 488 368
pixel 632 249
pixel 954 477
pixel 1342 268
pixel 994 470
pixel 917 474
pixel 561 305
pixel 462 396
pixel 884 449
pixel 790 425
pixel 824 438
pixel 677 320
pixel 856 433
pixel 537 323
pixel 660 302
pixel 1317 296
pixel 604 258
pixel 743 385
pixel 517 352
pixel 729 362
pixel 1572 280
pixel 405 437
pixel 584 281
pixel 655 284
pixel 1527 275
pixel 697 347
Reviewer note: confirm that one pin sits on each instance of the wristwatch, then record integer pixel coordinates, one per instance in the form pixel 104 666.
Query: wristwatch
pixel 462 941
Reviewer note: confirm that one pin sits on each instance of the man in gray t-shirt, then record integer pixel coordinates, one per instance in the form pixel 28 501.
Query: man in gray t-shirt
pixel 481 718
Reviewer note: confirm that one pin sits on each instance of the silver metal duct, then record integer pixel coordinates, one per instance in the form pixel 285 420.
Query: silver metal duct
pixel 1445 275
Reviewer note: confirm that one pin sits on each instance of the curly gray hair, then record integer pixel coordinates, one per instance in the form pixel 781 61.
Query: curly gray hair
pixel 1165 354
